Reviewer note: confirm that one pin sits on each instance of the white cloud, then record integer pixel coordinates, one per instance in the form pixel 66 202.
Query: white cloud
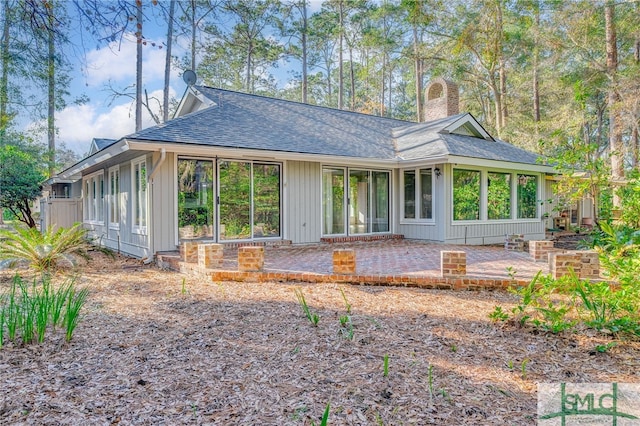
pixel 78 125
pixel 117 63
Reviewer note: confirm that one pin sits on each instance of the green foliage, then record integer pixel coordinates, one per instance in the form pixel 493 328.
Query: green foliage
pixel 466 194
pixel 556 305
pixel 385 365
pixel 311 316
pixel 619 250
pixel 630 196
pixel 28 311
pixel 45 251
pixel 325 416
pixel 20 178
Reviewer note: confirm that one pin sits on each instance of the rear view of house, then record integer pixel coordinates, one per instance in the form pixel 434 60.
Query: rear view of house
pixel 237 167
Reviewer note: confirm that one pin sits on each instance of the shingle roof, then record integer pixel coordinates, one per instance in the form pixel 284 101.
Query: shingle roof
pixel 241 120
pixel 102 143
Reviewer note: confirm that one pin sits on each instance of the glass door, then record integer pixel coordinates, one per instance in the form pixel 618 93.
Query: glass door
pixel 333 202
pixel 364 211
pixel 235 200
pixel 195 199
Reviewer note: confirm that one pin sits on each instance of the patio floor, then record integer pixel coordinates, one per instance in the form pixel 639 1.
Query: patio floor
pixel 394 257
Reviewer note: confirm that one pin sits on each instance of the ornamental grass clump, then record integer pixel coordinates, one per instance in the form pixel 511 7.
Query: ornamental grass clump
pixel 27 312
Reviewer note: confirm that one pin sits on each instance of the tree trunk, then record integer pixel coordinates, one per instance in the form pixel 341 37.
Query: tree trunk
pixel 340 66
pixel 352 77
pixel 536 53
pixel 615 138
pixel 305 77
pixel 51 101
pixel 4 78
pixel 167 63
pixel 418 75
pixel 502 70
pixel 139 65
pixel 194 28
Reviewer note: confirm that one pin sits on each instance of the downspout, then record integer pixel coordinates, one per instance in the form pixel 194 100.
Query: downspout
pixel 154 170
pixel 163 157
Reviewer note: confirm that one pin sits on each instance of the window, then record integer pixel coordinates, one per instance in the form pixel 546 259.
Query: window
pixel 139 170
pixel 466 194
pixel 527 197
pixel 418 193
pixel 498 195
pixel 250 203
pixel 93 203
pixel 114 198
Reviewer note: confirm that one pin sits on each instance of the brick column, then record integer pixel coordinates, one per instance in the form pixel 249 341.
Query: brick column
pixel 210 255
pixel 344 261
pixel 189 251
pixel 250 258
pixel 561 263
pixel 514 242
pixel 540 250
pixel 589 264
pixel 453 263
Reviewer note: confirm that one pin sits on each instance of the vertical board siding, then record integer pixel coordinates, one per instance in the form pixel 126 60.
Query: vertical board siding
pixel 302 189
pixel 162 218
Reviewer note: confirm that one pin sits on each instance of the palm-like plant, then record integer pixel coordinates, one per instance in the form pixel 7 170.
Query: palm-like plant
pixel 45 251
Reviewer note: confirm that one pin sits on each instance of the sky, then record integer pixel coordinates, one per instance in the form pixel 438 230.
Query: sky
pixel 93 71
pixel 96 69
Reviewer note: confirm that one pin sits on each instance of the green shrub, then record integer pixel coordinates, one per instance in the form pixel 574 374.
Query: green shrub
pixel 45 251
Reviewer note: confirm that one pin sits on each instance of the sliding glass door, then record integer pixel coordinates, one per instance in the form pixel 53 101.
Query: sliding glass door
pixel 248 196
pixel 367 201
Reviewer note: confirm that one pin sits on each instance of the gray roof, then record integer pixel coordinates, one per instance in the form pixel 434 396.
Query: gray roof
pixel 102 143
pixel 241 120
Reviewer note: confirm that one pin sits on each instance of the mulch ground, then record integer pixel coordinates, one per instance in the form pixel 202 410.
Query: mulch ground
pixel 151 349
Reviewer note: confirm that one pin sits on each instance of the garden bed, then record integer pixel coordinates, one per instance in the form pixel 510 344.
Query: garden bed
pixel 152 348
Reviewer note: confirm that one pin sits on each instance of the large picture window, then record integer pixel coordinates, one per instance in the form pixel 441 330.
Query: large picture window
pixel 527 197
pixel 139 179
pixel 494 195
pixel 418 193
pixel 498 195
pixel 249 200
pixel 466 194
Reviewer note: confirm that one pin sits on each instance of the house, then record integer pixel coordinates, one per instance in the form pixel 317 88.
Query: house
pixel 235 167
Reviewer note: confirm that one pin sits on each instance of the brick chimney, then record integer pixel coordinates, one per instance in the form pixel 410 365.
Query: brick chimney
pixel 441 99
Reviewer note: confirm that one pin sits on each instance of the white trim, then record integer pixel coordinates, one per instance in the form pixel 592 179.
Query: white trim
pixel 90 205
pixel 467 119
pixel 418 189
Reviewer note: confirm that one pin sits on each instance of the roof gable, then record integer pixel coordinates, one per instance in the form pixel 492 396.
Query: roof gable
pixel 98 144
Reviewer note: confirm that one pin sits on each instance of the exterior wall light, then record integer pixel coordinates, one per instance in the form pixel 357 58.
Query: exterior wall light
pixel 437 172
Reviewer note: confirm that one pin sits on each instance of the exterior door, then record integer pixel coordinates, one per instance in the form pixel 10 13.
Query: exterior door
pixel 196 189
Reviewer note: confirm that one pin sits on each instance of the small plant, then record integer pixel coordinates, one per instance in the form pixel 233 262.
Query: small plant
pixel 511 272
pixel 311 316
pixel 347 305
pixel 28 311
pixel 510 365
pixel 523 368
pixel 430 380
pixel 183 290
pixel 346 327
pixel 498 314
pixel 325 417
pixel 605 348
pixel 454 348
pixel 385 365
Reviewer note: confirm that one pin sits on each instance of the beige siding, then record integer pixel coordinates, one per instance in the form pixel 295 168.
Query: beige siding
pixel 162 213
pixel 302 186
pixel 63 212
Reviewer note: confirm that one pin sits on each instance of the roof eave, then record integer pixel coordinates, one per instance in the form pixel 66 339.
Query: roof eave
pixel 111 151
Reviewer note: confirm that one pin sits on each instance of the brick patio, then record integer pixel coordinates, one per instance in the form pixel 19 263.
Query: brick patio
pixel 388 262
